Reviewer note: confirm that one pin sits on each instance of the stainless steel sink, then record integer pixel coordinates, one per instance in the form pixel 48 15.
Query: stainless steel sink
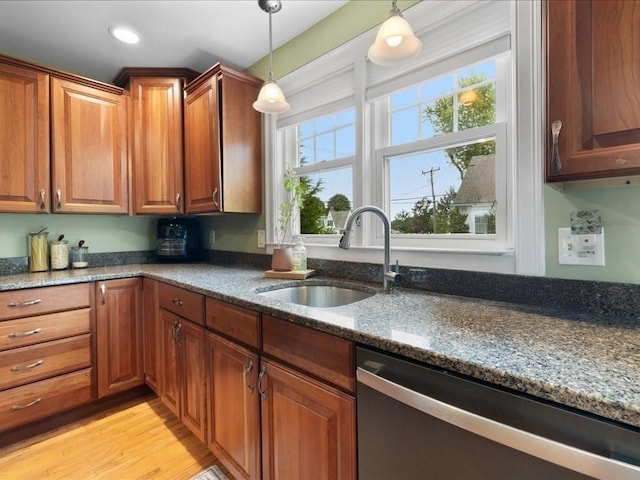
pixel 321 296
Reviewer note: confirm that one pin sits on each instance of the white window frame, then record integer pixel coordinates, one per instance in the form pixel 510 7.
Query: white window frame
pixel 525 254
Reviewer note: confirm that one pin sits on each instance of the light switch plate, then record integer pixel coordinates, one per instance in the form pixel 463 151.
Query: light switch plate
pixel 580 249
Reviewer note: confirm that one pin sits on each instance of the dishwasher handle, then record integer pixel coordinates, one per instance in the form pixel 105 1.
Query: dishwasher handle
pixel 566 456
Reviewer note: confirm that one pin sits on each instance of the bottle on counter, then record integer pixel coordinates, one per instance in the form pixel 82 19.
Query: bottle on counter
pixel 299 255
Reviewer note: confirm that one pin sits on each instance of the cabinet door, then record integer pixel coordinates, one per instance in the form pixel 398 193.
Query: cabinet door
pixel 152 335
pixel 308 429
pixel 24 140
pixel 157 145
pixel 202 149
pixel 234 415
pixel 192 351
pixel 89 147
pixel 241 146
pixel 170 373
pixel 592 88
pixel 119 335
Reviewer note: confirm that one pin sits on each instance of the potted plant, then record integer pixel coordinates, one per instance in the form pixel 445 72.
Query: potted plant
pixel 282 258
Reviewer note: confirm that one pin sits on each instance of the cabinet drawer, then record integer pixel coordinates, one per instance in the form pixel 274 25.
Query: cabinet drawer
pixel 42 328
pixel 36 362
pixel 37 400
pixel 182 302
pixel 326 356
pixel 36 301
pixel 236 322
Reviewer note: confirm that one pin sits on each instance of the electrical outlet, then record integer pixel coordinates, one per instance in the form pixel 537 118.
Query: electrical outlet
pixel 580 249
pixel 212 238
pixel 261 239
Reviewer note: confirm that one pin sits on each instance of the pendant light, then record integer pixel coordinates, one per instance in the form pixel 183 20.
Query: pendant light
pixel 395 40
pixel 271 99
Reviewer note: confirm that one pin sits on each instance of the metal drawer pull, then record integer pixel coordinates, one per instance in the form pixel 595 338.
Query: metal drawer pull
pixel 263 371
pixel 25 304
pixel 247 370
pixel 566 456
pixel 31 404
pixel 178 200
pixel 59 197
pixel 103 293
pixel 24 334
pixel 20 368
pixel 177 301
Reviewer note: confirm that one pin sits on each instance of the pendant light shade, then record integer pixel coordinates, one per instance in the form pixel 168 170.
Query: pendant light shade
pixel 395 40
pixel 270 98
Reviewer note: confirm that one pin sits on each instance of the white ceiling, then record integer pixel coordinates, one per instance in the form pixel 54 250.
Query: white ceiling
pixel 73 35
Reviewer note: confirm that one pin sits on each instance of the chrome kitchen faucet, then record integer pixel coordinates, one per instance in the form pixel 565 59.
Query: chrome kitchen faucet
pixel 388 276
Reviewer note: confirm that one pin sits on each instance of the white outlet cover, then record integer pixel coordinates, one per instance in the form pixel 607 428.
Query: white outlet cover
pixel 580 249
pixel 212 238
pixel 261 239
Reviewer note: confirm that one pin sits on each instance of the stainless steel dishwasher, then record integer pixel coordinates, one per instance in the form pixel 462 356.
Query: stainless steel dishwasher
pixel 417 422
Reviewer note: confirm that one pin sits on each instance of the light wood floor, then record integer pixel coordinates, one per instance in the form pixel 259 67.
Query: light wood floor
pixel 138 440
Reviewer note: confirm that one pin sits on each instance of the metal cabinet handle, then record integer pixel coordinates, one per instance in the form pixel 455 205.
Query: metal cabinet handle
pixel 173 331
pixel 178 199
pixel 263 371
pixel 556 126
pixel 24 334
pixel 213 198
pixel 43 203
pixel 551 451
pixel 28 303
pixel 247 370
pixel 31 404
pixel 103 294
pixel 20 368
pixel 177 301
pixel 59 198
pixel 178 338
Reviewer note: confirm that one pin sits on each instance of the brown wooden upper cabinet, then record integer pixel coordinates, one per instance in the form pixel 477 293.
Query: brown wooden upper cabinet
pixel 89 149
pixel 223 148
pixel 593 69
pixel 63 140
pixel 24 140
pixel 157 137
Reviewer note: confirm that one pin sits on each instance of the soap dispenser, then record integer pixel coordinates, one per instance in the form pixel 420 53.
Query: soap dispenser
pixel 299 256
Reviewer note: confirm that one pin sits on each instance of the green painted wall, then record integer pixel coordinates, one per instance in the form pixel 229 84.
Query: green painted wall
pixel 620 212
pixel 101 233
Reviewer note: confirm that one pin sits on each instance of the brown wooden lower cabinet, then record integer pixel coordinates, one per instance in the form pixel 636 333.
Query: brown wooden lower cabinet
pixel 233 406
pixel 151 332
pixel 119 335
pixel 183 378
pixel 308 428
pixel 281 400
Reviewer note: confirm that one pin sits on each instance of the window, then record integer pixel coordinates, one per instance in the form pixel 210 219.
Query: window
pixel 434 142
pixel 325 147
pixel 444 160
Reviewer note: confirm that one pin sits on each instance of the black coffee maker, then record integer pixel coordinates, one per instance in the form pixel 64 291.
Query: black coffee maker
pixel 177 239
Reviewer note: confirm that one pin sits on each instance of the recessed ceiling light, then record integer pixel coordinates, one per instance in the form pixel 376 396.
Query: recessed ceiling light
pixel 124 34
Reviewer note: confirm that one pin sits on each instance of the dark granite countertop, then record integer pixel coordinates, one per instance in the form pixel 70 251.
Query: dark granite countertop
pixel 584 361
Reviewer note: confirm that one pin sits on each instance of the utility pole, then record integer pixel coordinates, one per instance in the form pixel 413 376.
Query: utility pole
pixel 433 195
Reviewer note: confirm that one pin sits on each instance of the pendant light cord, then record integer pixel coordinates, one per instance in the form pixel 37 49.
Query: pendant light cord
pixel 270 50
